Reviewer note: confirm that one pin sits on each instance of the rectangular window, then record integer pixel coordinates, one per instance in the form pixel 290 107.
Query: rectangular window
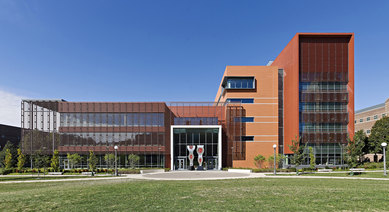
pixel 360 120
pixel 244 101
pixel 247 138
pixel 376 117
pixel 368 119
pixel 368 131
pixel 244 119
pixel 239 82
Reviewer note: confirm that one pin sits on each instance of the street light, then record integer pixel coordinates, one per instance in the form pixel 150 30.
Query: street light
pixel 116 162
pixel 384 144
pixel 274 147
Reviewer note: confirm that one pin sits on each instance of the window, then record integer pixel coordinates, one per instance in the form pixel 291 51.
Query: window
pixel 368 119
pixel 355 121
pixel 383 115
pixel 376 117
pixel 360 120
pixel 247 138
pixel 239 82
pixel 368 131
pixel 245 101
pixel 244 119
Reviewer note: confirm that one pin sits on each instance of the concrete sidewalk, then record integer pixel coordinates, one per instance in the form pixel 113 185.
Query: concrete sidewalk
pixel 194 175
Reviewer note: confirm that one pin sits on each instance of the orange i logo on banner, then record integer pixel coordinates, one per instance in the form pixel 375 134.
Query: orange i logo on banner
pixel 191 149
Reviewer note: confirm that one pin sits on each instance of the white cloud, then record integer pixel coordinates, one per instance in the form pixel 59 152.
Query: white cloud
pixel 10 108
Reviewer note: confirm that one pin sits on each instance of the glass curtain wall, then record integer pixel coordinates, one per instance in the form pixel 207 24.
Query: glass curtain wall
pixel 182 137
pixel 323 95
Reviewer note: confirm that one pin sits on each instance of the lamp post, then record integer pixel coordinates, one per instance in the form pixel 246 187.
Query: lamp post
pixel 274 147
pixel 384 144
pixel 116 161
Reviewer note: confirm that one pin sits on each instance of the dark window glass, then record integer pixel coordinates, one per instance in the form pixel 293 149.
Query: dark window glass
pixel 244 119
pixel 240 82
pixel 247 138
pixel 246 101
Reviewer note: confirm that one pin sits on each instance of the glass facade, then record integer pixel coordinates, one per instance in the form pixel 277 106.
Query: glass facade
pixel 323 96
pixel 195 121
pixel 112 119
pixel 209 137
pixel 326 154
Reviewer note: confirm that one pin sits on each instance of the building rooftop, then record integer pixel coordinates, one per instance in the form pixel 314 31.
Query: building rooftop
pixel 370 108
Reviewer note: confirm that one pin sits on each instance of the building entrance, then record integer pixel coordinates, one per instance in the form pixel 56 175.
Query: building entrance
pixel 201 143
pixel 211 163
pixel 181 164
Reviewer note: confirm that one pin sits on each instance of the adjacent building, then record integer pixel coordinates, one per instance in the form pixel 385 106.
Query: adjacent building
pixel 307 93
pixel 366 117
pixel 9 134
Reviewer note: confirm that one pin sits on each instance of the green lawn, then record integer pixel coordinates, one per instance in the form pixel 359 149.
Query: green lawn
pixel 41 177
pixel 334 174
pixel 227 195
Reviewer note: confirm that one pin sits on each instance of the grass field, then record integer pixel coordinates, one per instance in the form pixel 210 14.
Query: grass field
pixel 334 174
pixel 227 195
pixel 24 178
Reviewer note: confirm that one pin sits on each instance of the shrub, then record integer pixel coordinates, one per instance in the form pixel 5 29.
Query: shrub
pixel 129 171
pixel 6 171
pixel 258 160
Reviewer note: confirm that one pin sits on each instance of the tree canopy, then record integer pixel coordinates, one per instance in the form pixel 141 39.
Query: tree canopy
pixel 379 134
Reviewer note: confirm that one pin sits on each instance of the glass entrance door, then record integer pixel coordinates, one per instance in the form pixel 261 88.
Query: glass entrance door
pixel 181 164
pixel 211 163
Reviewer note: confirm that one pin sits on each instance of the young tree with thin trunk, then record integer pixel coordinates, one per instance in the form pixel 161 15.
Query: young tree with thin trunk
pixel 109 160
pixel 92 161
pixel 8 159
pixel 133 160
pixel 312 161
pixel 55 161
pixel 21 159
pixel 298 151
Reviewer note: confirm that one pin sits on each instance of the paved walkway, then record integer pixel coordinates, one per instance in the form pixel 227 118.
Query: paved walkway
pixel 193 175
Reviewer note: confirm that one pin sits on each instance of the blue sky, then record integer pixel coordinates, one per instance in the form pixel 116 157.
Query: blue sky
pixel 172 50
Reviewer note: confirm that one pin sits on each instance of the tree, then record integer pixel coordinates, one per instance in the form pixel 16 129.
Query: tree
pixel 92 161
pixel 74 159
pixel 359 142
pixel 55 161
pixel 8 159
pixel 351 156
pixel 312 161
pixel 13 151
pixel 298 151
pixel 40 161
pixel 379 134
pixel 279 158
pixel 109 160
pixel 258 160
pixel 21 159
pixel 133 160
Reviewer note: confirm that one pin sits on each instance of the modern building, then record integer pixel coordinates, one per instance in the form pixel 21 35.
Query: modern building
pixel 307 93
pixel 366 117
pixel 9 134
